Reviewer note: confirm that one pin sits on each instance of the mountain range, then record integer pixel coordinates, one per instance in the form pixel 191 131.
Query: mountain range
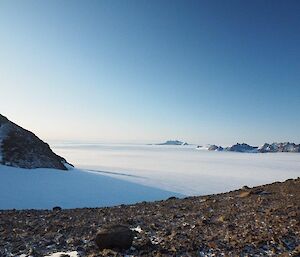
pixel 286 147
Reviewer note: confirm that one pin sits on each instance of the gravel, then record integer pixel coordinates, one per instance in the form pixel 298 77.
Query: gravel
pixel 260 221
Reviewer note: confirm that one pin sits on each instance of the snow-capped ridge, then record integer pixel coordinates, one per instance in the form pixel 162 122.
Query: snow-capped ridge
pixel 265 148
pixel 279 147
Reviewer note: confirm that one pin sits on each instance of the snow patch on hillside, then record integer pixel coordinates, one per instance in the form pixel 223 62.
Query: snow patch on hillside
pixel 58 254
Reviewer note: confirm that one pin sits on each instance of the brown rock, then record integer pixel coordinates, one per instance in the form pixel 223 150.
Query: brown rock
pixel 221 219
pixel 244 194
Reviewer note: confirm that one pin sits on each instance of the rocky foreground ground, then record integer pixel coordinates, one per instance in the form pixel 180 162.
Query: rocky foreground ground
pixel 260 221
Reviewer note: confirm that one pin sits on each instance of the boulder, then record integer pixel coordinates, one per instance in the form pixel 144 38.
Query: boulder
pixel 56 208
pixel 114 237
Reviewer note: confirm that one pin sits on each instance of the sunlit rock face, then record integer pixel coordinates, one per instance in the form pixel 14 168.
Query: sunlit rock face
pixel 21 148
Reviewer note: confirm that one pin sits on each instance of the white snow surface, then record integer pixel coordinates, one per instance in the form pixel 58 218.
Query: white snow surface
pixel 108 175
pixel 182 169
pixel 47 188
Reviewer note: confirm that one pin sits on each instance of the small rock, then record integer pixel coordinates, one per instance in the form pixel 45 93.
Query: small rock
pixel 34 252
pixel 56 208
pixel 244 194
pixel 221 219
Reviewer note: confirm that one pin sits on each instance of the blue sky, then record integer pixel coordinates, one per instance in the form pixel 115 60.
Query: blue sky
pixel 141 71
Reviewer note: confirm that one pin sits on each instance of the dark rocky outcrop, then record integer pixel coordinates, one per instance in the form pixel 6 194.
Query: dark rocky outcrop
pixel 215 148
pixel 114 237
pixel 242 148
pixel 173 142
pixel 212 147
pixel 21 148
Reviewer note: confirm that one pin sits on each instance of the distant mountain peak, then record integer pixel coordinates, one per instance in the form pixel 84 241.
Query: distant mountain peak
pixel 173 142
pixel 21 148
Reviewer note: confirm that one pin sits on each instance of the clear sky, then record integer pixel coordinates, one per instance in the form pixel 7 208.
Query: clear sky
pixel 141 71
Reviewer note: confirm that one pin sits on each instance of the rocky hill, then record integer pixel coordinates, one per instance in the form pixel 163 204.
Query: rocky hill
pixel 259 221
pixel 21 148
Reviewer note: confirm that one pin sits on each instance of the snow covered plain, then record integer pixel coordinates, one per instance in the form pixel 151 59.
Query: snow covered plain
pixel 107 175
pixel 46 188
pixel 182 169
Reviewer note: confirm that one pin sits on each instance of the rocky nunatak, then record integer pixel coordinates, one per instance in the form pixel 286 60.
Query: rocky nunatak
pixel 266 148
pixel 21 148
